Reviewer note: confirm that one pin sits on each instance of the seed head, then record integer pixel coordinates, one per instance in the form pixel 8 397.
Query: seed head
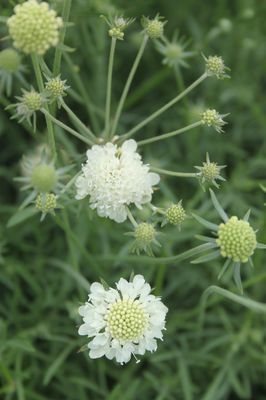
pixel 44 178
pixel 34 27
pixel 236 239
pixel 10 60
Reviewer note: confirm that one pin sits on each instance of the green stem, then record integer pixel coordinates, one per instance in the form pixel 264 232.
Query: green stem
pixel 58 51
pixel 39 79
pixel 79 123
pixel 173 173
pixel 91 109
pixel 170 134
pixel 164 108
pixel 131 218
pixel 128 84
pixel 109 87
pixel 66 128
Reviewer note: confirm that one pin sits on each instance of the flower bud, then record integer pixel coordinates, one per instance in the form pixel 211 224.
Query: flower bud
pixel 55 88
pixel 175 214
pixel 236 239
pixel 213 118
pixel 153 27
pixel 215 66
pixel 145 233
pixel 46 203
pixel 10 60
pixel 44 178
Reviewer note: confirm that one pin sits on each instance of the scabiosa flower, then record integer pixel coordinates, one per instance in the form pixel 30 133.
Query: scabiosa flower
pixel 234 240
pixel 153 27
pixel 124 321
pixel 210 172
pixel 34 27
pixel 211 117
pixel 174 52
pixel 215 66
pixel 115 178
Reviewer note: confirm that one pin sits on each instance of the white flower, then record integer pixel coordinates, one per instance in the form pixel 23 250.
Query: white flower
pixel 122 321
pixel 115 178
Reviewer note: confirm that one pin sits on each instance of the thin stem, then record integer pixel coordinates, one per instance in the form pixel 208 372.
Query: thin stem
pixel 173 173
pixel 39 79
pixel 66 128
pixel 58 51
pixel 170 134
pixel 79 123
pixel 109 87
pixel 131 218
pixel 91 109
pixel 164 108
pixel 128 84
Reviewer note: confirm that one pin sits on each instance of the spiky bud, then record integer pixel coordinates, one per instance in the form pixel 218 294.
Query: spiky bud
pixel 236 239
pixel 144 233
pixel 55 88
pixel 215 66
pixel 46 203
pixel 10 60
pixel 210 171
pixel 211 117
pixel 153 27
pixel 34 27
pixel 44 178
pixel 175 214
pixel 32 100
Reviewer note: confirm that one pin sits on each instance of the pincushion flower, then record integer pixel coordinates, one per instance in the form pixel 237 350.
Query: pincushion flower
pixel 124 321
pixel 114 178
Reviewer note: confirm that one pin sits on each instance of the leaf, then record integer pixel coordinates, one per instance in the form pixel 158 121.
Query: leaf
pixel 218 207
pixel 206 257
pixel 205 223
pixel 21 216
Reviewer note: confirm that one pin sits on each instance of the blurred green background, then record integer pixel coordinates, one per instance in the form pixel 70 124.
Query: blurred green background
pixel 45 267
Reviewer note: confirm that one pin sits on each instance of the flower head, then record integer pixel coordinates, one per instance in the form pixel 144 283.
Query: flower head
pixel 211 117
pixel 215 66
pixel 174 52
pixel 153 27
pixel 124 321
pixel 115 178
pixel 234 240
pixel 34 27
pixel 55 88
pixel 46 203
pixel 210 172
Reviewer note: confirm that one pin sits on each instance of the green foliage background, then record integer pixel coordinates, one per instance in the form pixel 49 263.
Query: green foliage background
pixel 45 268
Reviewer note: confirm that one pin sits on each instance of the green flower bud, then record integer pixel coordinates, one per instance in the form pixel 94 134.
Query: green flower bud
pixel 213 118
pixel 116 33
pixel 44 178
pixel 10 60
pixel 215 66
pixel 236 239
pixel 153 27
pixel 145 233
pixel 46 203
pixel 210 171
pixel 175 214
pixel 55 88
pixel 32 100
pixel 34 27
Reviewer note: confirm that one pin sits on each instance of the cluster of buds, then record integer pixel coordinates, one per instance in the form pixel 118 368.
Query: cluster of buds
pixel 210 172
pixel 215 66
pixel 211 117
pixel 117 26
pixel 153 28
